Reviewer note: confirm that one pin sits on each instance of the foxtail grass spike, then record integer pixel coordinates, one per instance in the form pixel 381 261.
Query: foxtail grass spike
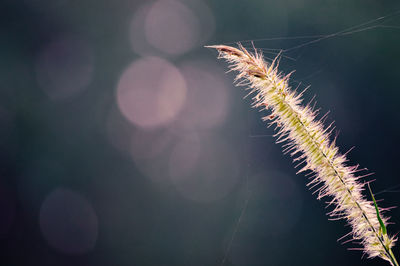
pixel 306 139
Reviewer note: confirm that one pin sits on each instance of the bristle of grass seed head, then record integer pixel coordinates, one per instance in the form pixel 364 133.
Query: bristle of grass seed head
pixel 308 141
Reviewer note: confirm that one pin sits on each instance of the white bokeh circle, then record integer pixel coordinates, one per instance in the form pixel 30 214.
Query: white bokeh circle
pixel 151 92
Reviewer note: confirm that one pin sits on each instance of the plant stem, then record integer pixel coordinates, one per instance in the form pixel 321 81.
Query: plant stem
pixel 304 134
pixel 393 258
pixel 389 252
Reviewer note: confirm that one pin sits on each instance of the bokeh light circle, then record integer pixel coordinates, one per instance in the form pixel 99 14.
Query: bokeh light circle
pixel 149 144
pixel 208 97
pixel 184 157
pixel 149 150
pixel 151 92
pixel 204 173
pixel 64 67
pixel 171 27
pixel 68 222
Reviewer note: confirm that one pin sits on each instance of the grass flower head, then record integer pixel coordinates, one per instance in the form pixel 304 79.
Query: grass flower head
pixel 306 139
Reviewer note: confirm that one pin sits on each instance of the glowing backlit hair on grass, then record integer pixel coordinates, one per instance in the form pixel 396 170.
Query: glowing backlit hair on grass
pixel 309 141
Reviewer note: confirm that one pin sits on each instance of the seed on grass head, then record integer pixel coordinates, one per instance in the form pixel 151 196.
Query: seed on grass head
pixel 227 49
pixel 256 73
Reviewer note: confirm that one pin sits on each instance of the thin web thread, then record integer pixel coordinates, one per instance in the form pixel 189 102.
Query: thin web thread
pixel 366 26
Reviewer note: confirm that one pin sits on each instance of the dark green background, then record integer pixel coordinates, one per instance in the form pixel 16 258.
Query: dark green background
pixel 46 144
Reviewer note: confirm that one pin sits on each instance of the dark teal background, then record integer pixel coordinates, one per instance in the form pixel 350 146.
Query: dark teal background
pixel 48 144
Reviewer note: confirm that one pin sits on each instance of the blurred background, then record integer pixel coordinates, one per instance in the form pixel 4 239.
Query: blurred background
pixel 124 142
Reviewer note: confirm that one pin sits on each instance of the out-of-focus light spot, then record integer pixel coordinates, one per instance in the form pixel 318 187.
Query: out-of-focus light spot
pixel 7 210
pixel 137 35
pixel 68 222
pixel 151 92
pixel 184 157
pixel 64 67
pixel 171 27
pixel 147 144
pixel 156 169
pixel 206 17
pixel 210 176
pixel 149 151
pixel 207 98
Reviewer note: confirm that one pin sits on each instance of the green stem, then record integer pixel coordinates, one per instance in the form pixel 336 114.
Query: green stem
pixel 393 258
